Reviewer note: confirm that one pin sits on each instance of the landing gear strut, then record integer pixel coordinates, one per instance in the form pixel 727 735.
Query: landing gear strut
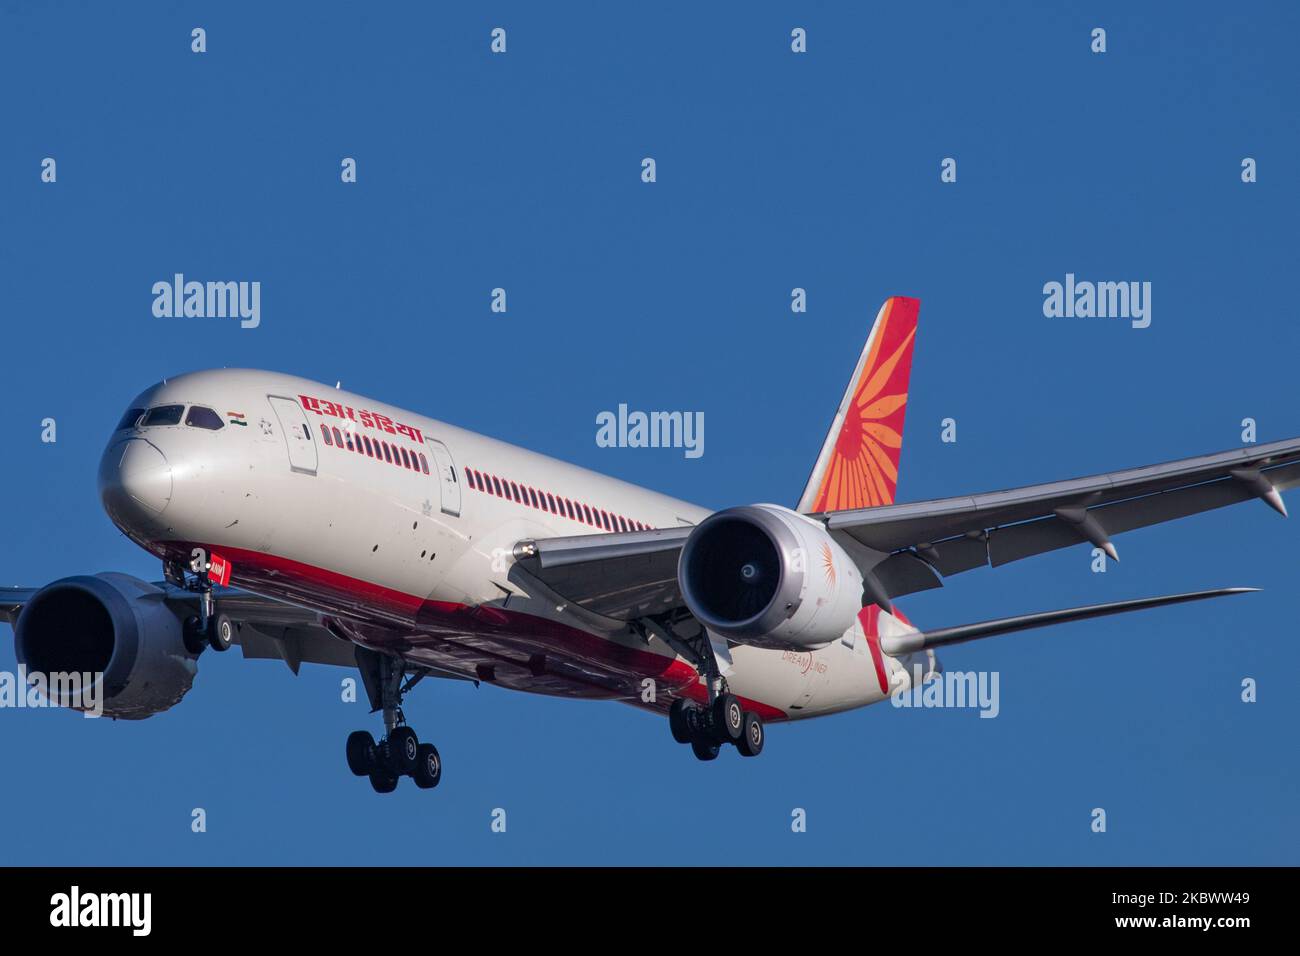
pixel 723 720
pixel 210 628
pixel 399 753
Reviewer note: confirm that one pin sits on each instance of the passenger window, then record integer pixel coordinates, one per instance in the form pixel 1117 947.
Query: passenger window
pixel 347 436
pixel 325 433
pixel 424 463
pixel 550 503
pixel 568 506
pixel 163 415
pixel 388 453
pixel 497 482
pixel 129 419
pixel 587 511
pixel 338 439
pixel 533 496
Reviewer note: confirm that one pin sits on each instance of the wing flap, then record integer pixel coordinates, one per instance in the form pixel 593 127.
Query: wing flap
pixel 619 576
pixel 1048 534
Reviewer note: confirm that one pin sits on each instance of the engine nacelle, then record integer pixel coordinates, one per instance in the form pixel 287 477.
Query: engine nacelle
pixel 767 576
pixel 115 628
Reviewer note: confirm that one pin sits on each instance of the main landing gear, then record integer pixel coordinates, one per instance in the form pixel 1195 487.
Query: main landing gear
pixel 399 753
pixel 723 720
pixel 707 728
pixel 210 628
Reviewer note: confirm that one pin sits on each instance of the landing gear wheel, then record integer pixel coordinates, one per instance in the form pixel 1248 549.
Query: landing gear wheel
pixel 705 750
pixel 221 632
pixel 192 634
pixel 361 753
pixel 681 720
pixel 399 752
pixel 428 768
pixel 728 719
pixel 751 741
pixel 405 749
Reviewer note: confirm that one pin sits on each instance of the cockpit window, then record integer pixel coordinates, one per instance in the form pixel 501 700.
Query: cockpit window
pixel 201 417
pixel 129 419
pixel 163 415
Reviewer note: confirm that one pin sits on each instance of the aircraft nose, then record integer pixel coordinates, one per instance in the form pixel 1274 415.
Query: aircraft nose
pixel 135 479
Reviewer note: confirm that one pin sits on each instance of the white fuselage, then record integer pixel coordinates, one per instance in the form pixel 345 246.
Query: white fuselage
pixel 419 563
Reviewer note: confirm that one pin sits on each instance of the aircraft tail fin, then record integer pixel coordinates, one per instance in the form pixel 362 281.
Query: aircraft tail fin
pixel 858 464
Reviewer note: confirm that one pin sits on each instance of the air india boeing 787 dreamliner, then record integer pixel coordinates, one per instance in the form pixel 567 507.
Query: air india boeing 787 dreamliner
pixel 308 524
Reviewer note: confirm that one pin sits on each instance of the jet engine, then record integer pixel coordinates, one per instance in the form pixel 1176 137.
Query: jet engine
pixel 768 576
pixel 117 634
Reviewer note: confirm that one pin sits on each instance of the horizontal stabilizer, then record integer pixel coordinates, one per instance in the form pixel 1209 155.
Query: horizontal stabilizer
pixel 924 640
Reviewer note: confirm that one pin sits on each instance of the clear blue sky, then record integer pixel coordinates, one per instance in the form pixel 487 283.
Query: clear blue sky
pixel 774 171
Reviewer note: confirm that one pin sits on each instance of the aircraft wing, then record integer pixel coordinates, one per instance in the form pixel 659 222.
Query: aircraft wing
pixel 267 629
pixel 951 535
pixel 908 547
pixel 12 601
pixel 945 636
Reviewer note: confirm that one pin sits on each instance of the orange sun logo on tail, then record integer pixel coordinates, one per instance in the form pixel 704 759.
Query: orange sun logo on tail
pixel 862 470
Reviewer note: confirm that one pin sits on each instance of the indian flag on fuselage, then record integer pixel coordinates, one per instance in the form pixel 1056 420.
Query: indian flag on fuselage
pixel 858 464
pixel 236 418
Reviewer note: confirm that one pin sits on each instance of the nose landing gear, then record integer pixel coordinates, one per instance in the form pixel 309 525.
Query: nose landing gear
pixel 399 753
pixel 209 628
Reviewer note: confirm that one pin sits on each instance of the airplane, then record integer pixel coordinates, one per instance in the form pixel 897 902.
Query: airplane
pixel 308 524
